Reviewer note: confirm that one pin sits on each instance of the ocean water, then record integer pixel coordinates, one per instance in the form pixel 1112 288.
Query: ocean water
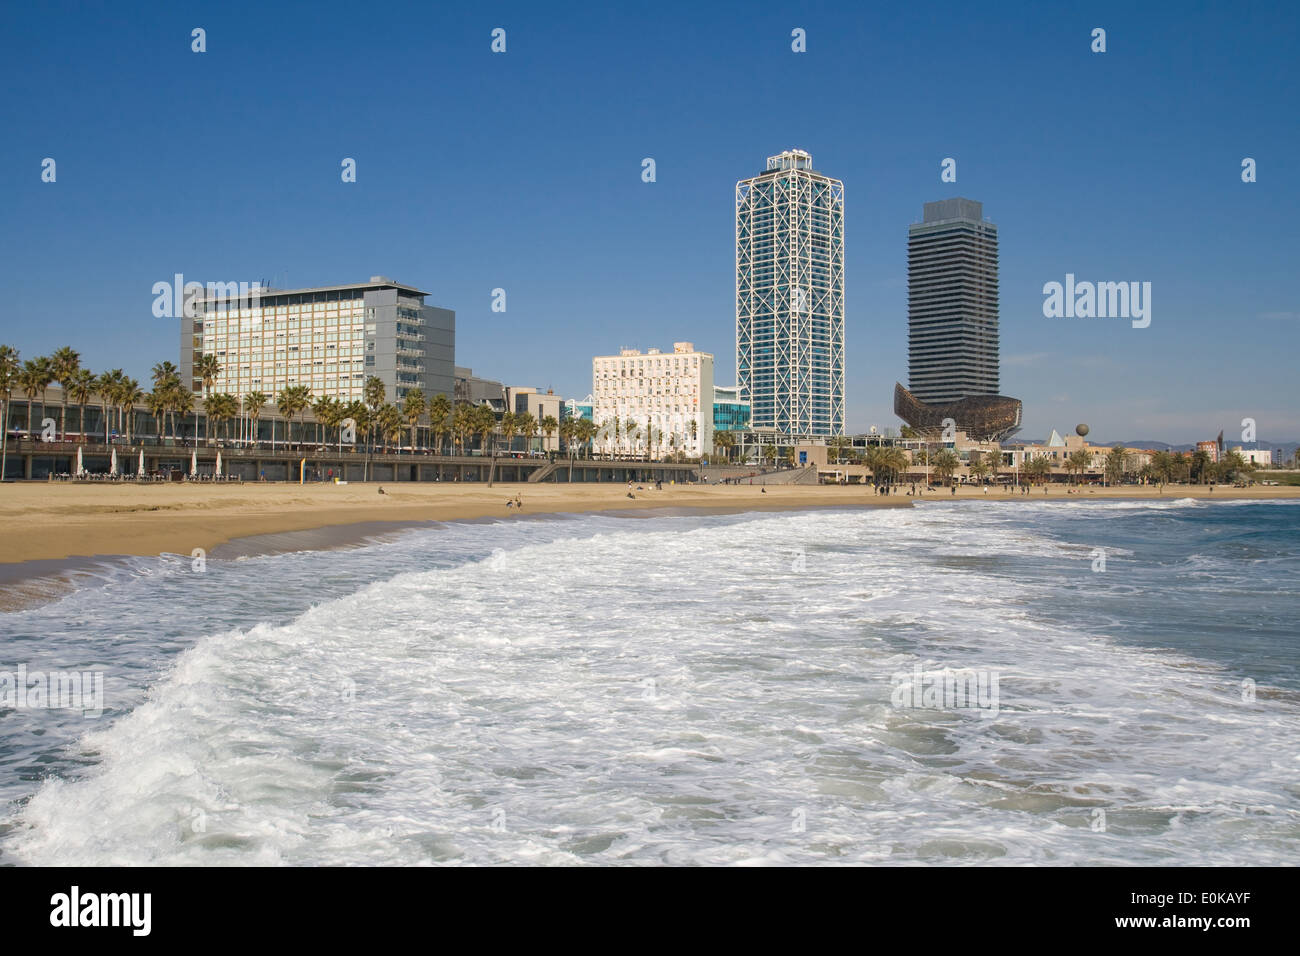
pixel 684 690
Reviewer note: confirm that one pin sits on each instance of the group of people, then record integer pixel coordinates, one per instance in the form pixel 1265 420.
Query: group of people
pixel 517 503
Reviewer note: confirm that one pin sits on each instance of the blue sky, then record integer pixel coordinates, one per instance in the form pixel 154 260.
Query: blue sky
pixel 522 171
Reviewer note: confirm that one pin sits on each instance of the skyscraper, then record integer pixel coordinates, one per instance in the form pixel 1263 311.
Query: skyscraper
pixel 952 303
pixel 790 297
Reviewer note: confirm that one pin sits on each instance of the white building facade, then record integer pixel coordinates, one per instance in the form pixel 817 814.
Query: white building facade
pixel 666 396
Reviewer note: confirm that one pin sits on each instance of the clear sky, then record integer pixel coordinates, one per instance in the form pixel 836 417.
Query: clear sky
pixel 522 171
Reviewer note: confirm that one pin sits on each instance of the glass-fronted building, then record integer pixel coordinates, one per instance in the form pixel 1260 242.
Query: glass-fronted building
pixel 330 339
pixel 580 408
pixel 730 411
pixel 790 297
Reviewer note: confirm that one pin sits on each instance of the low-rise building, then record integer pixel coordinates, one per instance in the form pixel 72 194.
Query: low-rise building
pixel 473 390
pixel 1260 457
pixel 731 413
pixel 541 405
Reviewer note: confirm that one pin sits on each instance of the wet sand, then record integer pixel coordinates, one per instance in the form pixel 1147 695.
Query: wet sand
pixel 56 533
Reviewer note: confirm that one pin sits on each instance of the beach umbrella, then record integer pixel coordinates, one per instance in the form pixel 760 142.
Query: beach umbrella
pixel 140 470
pixel 194 462
pixel 80 467
pixel 112 465
pixel 218 464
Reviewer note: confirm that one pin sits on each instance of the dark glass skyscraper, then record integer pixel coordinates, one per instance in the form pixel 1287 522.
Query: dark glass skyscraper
pixel 790 297
pixel 952 303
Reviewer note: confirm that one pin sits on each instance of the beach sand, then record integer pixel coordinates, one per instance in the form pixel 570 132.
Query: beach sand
pixel 49 521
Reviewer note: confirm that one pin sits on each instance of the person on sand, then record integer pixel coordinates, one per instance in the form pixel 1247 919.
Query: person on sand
pixel 381 489
pixel 630 495
pixel 519 503
pixel 763 490
pixel 509 503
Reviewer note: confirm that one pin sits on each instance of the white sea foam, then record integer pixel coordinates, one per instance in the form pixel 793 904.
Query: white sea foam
pixel 696 690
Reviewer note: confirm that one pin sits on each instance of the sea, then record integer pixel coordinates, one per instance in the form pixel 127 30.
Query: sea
pixel 1084 682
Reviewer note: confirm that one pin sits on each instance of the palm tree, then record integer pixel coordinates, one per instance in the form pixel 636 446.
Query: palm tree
pixel 726 441
pixel 34 378
pixel 253 403
pixel 769 453
pixel 1162 466
pixel 164 372
pixel 221 407
pixel 323 411
pixel 567 429
pixel 106 385
pixel 388 423
pixel 157 401
pixel 1116 464
pixel 631 429
pixel 839 443
pixel 1235 463
pixel 64 364
pixel 182 404
pixel 885 463
pixel 978 469
pixel 360 415
pixel 485 423
pixel 549 427
pixel 208 368
pixel 1078 462
pixel 8 380
pixel 586 434
pixel 462 424
pixel 374 392
pixel 509 427
pixel 126 395
pixel 1200 464
pixel 413 406
pixel 286 402
pixel 1040 468
pixel 945 464
pixel 527 426
pixel 80 387
pixel 439 415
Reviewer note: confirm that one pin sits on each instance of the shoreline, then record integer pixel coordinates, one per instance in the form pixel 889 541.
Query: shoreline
pixel 78 530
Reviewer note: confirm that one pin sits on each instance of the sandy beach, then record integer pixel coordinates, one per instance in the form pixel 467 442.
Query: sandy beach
pixel 58 521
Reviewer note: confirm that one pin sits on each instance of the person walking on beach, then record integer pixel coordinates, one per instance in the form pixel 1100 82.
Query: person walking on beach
pixel 519 503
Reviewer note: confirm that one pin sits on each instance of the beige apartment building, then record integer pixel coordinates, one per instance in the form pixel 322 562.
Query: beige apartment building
pixel 667 395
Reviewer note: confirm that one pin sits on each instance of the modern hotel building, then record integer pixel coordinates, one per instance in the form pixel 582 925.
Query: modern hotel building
pixel 667 391
pixel 952 325
pixel 330 338
pixel 952 303
pixel 790 297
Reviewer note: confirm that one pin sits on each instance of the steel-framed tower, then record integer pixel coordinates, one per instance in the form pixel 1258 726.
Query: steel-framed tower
pixel 790 297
